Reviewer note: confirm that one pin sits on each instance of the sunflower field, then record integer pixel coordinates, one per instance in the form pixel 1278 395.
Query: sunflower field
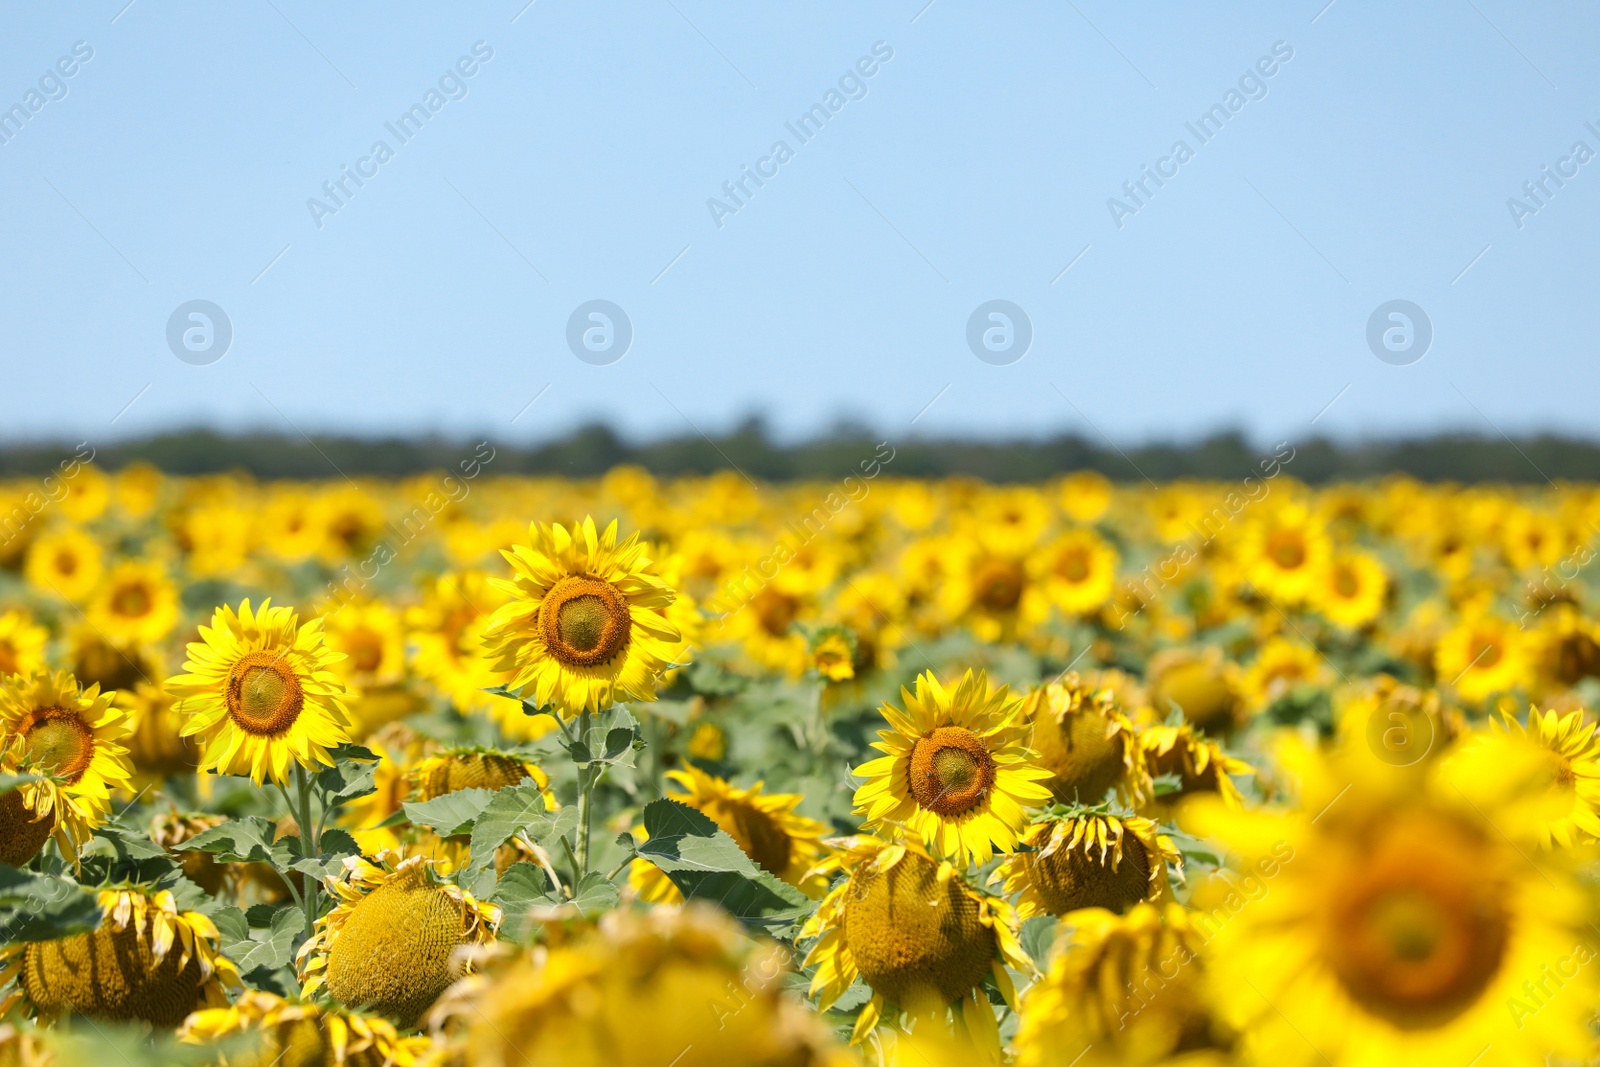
pixel 471 769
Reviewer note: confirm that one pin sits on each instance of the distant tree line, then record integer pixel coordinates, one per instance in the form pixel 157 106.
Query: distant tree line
pixel 592 450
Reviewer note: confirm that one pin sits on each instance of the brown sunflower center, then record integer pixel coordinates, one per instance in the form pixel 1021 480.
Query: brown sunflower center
pixel 1287 550
pixel 998 584
pixel 264 695
pixel 951 771
pixel 59 742
pixel 1073 566
pixel 1345 583
pixel 366 651
pixel 131 600
pixel 1420 933
pixel 1485 652
pixel 8 658
pixel 775 611
pixel 585 621
pixel 66 562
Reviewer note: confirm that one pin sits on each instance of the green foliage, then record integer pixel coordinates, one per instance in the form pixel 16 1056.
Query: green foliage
pixel 41 907
pixel 706 864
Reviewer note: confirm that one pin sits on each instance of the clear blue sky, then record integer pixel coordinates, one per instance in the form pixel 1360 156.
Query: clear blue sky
pixel 577 163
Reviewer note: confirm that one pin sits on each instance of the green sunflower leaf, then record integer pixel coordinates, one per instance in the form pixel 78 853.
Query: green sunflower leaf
pixel 523 887
pixel 514 808
pixel 39 907
pixel 453 813
pixel 247 839
pixel 350 777
pixel 706 864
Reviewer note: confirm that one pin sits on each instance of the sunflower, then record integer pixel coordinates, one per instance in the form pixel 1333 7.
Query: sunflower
pixel 957 774
pixel 146 960
pixel 474 767
pixel 290 530
pixel 915 932
pixel 110 666
pixel 585 625
pixel 1482 655
pixel 67 561
pixel 1280 667
pixel 370 636
pixel 1395 925
pixel 1200 683
pixel 73 739
pixel 1568 647
pixel 683 987
pixel 1079 571
pixel 293 1033
pixel 445 633
pixel 833 654
pixel 1352 590
pixel 1085 495
pixel 1199 764
pixel 136 604
pixel 994 593
pixel 708 742
pixel 1086 743
pixel 171 829
pixel 258 689
pixel 1123 990
pixel 1562 792
pixel 1286 551
pixel 1089 860
pixel 155 747
pixel 764 825
pixel 387 946
pixel 22 644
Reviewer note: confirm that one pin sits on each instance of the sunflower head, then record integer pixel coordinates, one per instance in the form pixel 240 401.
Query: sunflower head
pixel 1120 990
pixel 290 1033
pixel 155 746
pixel 171 829
pixel 1085 742
pixel 584 626
pixel 833 654
pixel 136 604
pixel 259 693
pixel 146 960
pixel 388 946
pixel 474 768
pixel 1204 687
pixel 22 644
pixel 1549 769
pixel 956 772
pixel 912 929
pixel 1199 764
pixel 1089 860
pixel 71 738
pixel 669 985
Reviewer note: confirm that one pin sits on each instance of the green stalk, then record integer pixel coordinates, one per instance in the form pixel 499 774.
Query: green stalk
pixel 588 778
pixel 309 842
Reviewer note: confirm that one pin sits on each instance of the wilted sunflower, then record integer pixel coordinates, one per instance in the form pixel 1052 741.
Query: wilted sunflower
pixel 1199 764
pixel 1123 990
pixel 146 960
pixel 1086 743
pixel 1089 860
pixel 765 826
pixel 679 986
pixel 137 604
pixel 293 1033
pixel 72 738
pixel 1397 926
pixel 958 773
pixel 913 930
pixel 387 946
pixel 259 692
pixel 584 627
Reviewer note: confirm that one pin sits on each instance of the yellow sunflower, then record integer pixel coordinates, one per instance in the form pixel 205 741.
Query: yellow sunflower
pixel 764 825
pixel 68 562
pixel 1204 686
pixel 474 767
pixel 1200 765
pixel 1394 924
pixel 22 643
pixel 370 636
pixel 292 1033
pixel 1085 495
pixel 1122 990
pixel 1482 655
pixel 915 932
pixel 136 604
pixel 446 638
pixel 585 626
pixel 147 960
pixel 957 773
pixel 73 739
pixel 1286 551
pixel 833 654
pixel 260 691
pixel 1562 792
pixel 1568 646
pixel 1079 571
pixel 1089 861
pixel 1281 666
pixel 1352 590
pixel 387 946
pixel 1085 742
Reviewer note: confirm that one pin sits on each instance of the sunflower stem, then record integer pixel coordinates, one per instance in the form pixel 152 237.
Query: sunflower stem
pixel 588 777
pixel 309 843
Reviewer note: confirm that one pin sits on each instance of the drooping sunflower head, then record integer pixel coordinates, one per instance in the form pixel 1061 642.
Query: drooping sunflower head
pixel 388 946
pixel 1205 687
pixel 1385 919
pixel 957 773
pixel 137 603
pixel 147 960
pixel 584 627
pixel 171 829
pixel 474 767
pixel 1086 742
pixel 1200 765
pixel 910 927
pixel 765 826
pixel 259 691
pixel 71 738
pixel 681 986
pixel 1089 860
pixel 1121 990
pixel 295 1033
